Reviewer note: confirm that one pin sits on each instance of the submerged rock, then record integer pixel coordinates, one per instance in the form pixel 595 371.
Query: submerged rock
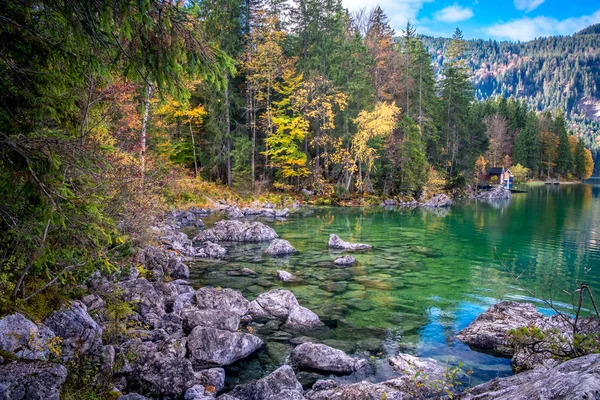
pixel 489 330
pixel 237 231
pixel 336 243
pixel 280 384
pixel 344 260
pixel 210 250
pixel 280 247
pixel 285 276
pixel 210 347
pixel 31 380
pixel 319 357
pixel 23 338
pixel 576 379
pixel 80 334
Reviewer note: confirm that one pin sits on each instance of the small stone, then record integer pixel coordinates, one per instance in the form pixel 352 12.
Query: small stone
pixel 344 260
pixel 335 242
pixel 285 276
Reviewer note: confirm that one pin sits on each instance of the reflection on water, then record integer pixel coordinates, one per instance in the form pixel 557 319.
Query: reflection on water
pixel 431 272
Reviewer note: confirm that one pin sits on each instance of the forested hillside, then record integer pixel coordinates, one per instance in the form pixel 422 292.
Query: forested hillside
pixel 549 73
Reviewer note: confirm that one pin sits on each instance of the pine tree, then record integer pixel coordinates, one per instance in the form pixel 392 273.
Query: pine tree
pixel 564 161
pixel 526 148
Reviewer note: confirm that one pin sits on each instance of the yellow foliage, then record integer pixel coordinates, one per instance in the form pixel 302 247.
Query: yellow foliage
pixel 589 164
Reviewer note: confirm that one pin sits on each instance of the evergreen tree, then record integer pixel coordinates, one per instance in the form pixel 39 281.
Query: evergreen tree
pixel 526 148
pixel 564 161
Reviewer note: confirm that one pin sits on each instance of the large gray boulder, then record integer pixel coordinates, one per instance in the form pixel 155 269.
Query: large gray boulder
pixel 489 330
pixel 576 379
pixel 301 318
pixel 79 333
pixel 278 302
pixel 280 384
pixel 148 301
pixel 356 391
pixel 280 247
pixel 322 358
pixel 158 368
pixel 210 347
pixel 24 339
pixel 221 299
pixel 220 319
pixel 406 364
pixel 335 242
pixel 237 231
pixel 31 381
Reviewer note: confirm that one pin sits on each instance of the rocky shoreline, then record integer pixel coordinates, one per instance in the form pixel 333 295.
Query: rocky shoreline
pixel 175 340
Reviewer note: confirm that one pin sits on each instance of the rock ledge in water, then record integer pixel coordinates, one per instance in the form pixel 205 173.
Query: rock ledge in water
pixel 336 243
pixel 237 231
pixel 280 247
pixel 320 357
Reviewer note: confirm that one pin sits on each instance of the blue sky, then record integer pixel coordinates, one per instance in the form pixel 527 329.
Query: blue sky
pixel 495 19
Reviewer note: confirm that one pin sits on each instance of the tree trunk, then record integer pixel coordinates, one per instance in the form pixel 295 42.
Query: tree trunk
pixel 194 150
pixel 228 135
pixel 144 128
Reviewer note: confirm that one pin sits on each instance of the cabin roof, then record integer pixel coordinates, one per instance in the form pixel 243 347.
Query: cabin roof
pixel 495 171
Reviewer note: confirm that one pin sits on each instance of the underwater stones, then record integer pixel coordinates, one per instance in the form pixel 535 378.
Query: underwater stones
pixel 237 231
pixel 31 380
pixel 344 260
pixel 489 330
pixel 242 272
pixel 409 365
pixel 79 333
pixel 320 357
pixel 210 347
pixel 23 338
pixel 285 276
pixel 335 242
pixel 280 247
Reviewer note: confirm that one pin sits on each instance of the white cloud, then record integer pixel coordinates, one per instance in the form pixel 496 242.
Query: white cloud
pixel 530 28
pixel 528 5
pixel 453 13
pixel 398 11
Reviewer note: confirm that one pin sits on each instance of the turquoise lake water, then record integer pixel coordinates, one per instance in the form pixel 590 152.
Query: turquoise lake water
pixel 430 273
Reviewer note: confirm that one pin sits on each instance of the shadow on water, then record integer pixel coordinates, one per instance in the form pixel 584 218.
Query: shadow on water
pixel 430 274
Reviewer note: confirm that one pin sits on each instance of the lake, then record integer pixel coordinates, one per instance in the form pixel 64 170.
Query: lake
pixel 430 273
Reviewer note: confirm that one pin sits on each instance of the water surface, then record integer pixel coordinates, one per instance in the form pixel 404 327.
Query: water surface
pixel 430 273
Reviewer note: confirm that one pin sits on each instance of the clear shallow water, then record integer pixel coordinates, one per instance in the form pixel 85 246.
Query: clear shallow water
pixel 431 272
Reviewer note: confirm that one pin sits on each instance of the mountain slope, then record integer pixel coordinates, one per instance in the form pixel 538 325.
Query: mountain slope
pixel 555 72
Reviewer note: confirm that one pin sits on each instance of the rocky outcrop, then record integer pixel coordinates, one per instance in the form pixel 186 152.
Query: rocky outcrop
pixel 78 332
pixel 285 276
pixel 406 364
pixel 210 347
pixel 212 377
pixel 336 243
pixel 280 247
pixel 322 358
pixel 190 217
pixel 23 338
pixel 439 200
pixel 498 193
pixel 489 330
pixel 149 302
pixel 237 231
pixel 576 379
pixel 344 260
pixel 278 302
pixel 278 385
pixel 165 263
pixel 301 318
pixel 31 381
